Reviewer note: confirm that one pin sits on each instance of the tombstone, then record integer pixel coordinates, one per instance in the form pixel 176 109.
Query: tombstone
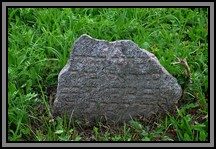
pixel 113 82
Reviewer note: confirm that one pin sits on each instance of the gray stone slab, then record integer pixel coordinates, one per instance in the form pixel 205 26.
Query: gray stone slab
pixel 113 81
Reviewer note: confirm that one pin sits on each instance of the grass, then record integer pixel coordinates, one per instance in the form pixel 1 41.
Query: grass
pixel 39 44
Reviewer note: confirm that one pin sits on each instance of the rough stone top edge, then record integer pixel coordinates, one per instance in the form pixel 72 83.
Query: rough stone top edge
pixel 111 42
pixel 86 35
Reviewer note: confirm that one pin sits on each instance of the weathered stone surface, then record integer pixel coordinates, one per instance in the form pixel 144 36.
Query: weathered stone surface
pixel 113 80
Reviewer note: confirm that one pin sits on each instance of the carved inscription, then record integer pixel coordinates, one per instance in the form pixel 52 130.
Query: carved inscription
pixel 113 79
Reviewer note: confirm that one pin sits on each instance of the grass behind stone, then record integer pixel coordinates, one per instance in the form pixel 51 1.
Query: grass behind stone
pixel 39 44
